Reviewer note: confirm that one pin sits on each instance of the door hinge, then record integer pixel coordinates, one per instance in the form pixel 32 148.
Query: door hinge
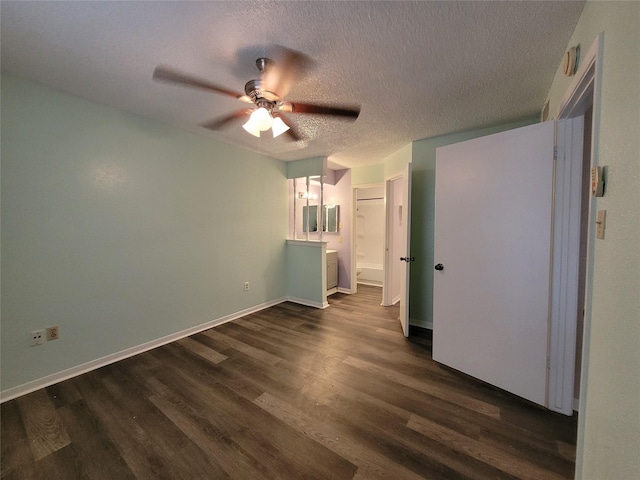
pixel 555 154
pixel 548 362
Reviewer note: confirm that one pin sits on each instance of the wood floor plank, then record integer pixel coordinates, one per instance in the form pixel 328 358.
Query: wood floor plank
pixel 45 430
pixel 96 455
pixel 202 350
pixel 486 453
pixel 131 440
pixel 463 401
pixel 285 393
pixel 370 465
pixel 242 347
pixel 460 419
pixel 228 455
pixel 358 415
pixel 16 456
pixel 169 440
pixel 63 393
pixel 396 441
pixel 247 323
pixel 567 451
pixel 233 413
pixel 255 432
pixel 60 465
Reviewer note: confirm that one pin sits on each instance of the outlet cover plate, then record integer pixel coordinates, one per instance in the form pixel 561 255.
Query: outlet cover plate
pixel 53 333
pixel 36 337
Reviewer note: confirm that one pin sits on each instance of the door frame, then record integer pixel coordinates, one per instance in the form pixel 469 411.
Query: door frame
pixel 389 259
pixel 565 304
pixel 354 233
pixel 387 290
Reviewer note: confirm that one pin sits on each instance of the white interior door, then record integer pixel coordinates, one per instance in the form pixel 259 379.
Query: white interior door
pixel 401 221
pixel 492 249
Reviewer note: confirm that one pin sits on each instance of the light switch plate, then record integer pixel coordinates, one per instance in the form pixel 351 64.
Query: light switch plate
pixel 601 218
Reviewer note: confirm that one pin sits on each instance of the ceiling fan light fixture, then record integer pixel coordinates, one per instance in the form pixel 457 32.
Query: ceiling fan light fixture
pixel 251 128
pixel 278 127
pixel 261 119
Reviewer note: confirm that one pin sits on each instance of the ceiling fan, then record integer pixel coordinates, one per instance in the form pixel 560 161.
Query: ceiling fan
pixel 266 94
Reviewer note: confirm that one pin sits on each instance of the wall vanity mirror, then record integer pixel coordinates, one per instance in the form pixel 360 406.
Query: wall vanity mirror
pixel 330 218
pixel 310 217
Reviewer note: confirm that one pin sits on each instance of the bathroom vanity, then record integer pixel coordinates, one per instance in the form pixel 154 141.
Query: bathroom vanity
pixel 332 270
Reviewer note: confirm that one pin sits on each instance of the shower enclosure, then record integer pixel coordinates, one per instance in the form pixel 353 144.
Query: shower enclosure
pixel 370 222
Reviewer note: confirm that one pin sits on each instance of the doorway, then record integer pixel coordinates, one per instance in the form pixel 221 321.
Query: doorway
pixel 584 238
pixel 395 244
pixel 370 231
pixel 577 122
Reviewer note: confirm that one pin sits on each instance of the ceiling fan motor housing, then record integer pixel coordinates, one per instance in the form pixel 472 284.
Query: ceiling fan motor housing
pixel 254 90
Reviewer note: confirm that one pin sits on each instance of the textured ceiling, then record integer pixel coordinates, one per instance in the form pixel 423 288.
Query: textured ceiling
pixel 418 69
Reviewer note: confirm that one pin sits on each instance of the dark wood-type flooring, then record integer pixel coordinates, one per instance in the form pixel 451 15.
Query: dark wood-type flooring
pixel 290 393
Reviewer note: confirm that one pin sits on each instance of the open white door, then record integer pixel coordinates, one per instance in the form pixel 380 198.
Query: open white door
pixel 492 248
pixel 404 213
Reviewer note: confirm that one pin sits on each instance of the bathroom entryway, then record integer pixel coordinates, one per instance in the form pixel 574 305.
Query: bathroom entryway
pixel 370 237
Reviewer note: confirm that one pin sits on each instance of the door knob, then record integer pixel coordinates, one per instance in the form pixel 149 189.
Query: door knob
pixel 408 259
pixel 439 267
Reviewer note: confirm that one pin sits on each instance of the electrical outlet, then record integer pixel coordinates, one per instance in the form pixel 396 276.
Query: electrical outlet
pixel 36 338
pixel 246 286
pixel 53 333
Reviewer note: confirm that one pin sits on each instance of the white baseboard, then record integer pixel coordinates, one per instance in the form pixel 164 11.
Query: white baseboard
pixel 331 291
pixel 33 385
pixel 348 291
pixel 307 303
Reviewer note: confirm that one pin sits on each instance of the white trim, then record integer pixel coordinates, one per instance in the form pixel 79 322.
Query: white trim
pixel 387 266
pixel 332 290
pixel 584 91
pixel 345 290
pixel 308 303
pixel 354 225
pixel 43 382
pixel 584 77
pixel 565 265
pixel 306 243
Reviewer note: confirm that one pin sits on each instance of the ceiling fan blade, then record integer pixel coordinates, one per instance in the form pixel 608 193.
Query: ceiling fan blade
pixel 218 123
pixel 288 67
pixel 295 107
pixel 292 132
pixel 169 75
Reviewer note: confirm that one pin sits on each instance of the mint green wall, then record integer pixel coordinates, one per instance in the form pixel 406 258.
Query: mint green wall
pixel 121 230
pixel 609 420
pixel 367 175
pixel 306 167
pixel 422 217
pixel 306 272
pixel 396 163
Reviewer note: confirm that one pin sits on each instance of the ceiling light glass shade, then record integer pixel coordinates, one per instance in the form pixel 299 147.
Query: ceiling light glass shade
pixel 251 128
pixel 261 119
pixel 278 127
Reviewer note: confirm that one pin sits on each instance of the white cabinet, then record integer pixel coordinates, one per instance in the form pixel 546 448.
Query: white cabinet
pixel 332 269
